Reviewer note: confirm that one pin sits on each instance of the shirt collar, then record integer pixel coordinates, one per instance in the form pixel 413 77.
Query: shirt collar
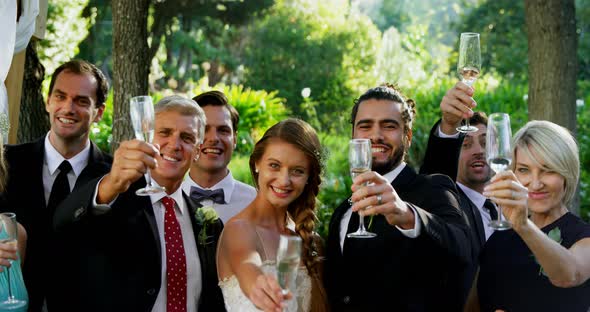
pixel 391 175
pixel 53 158
pixel 177 196
pixel 476 197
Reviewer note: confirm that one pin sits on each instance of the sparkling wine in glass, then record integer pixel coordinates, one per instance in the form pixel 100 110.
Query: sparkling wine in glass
pixel 143 119
pixel 8 235
pixel 499 154
pixel 469 66
pixel 288 259
pixel 360 157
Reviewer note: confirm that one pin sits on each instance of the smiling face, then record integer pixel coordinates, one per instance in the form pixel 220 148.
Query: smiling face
pixel 546 188
pixel 177 136
pixel 219 142
pixel 72 107
pixel 283 171
pixel 381 122
pixel 474 171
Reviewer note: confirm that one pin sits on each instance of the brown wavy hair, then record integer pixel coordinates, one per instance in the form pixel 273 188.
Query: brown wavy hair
pixel 303 209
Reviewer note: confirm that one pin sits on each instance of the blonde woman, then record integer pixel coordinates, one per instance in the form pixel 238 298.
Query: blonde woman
pixel 542 263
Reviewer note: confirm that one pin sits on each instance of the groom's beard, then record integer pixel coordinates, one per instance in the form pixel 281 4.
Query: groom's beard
pixel 394 161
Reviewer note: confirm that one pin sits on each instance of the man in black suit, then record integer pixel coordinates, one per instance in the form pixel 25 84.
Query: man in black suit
pixel 76 99
pixel 462 157
pixel 146 253
pixel 421 233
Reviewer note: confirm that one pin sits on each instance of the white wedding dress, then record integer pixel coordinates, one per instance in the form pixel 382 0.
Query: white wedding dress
pixel 236 300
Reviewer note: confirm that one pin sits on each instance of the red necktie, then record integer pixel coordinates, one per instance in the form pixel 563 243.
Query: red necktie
pixel 175 260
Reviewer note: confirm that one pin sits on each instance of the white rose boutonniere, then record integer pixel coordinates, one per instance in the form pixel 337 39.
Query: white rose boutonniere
pixel 205 216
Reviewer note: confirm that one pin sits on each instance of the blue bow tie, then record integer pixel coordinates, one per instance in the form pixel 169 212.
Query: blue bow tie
pixel 216 196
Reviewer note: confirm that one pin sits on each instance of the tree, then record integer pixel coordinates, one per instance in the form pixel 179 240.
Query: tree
pixel 553 61
pixel 131 61
pixel 320 45
pixel 33 121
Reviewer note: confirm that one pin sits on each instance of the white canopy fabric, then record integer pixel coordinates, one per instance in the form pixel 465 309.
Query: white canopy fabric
pixel 7 37
pixel 26 24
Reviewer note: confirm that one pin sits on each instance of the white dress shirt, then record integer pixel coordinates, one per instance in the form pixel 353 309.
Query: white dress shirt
pixel 478 200
pixel 237 195
pixel 411 233
pixel 53 159
pixel 194 284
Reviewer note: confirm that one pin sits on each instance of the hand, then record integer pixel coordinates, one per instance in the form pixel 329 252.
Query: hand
pixel 7 254
pixel 505 190
pixel 455 106
pixel 130 162
pixel 370 187
pixel 266 294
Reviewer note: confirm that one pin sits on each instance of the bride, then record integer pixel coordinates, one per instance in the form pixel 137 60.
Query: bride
pixel 286 166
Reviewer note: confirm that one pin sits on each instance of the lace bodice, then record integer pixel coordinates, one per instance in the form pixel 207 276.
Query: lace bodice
pixel 236 300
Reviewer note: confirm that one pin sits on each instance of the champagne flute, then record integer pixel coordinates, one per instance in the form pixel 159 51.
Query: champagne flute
pixel 360 158
pixel 142 118
pixel 288 259
pixel 469 66
pixel 499 154
pixel 9 235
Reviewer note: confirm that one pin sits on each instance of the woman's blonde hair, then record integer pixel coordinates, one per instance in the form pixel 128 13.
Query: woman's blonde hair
pixel 552 147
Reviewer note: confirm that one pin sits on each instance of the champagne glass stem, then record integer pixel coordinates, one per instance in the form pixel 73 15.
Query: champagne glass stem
pixel 362 223
pixel 10 296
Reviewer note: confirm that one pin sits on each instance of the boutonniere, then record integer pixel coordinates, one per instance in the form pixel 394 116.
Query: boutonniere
pixel 555 236
pixel 205 216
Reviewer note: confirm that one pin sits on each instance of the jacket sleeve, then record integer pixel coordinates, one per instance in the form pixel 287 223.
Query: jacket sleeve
pixel 442 154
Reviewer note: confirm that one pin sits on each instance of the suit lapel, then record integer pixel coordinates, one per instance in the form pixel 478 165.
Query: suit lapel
pixel 148 211
pixel 402 182
pixel 203 250
pixel 98 165
pixel 475 217
pixel 38 155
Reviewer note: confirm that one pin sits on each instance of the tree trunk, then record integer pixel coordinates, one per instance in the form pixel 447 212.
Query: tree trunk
pixel 33 120
pixel 552 39
pixel 131 62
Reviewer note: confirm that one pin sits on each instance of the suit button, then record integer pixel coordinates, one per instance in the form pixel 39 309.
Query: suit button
pixel 346 299
pixel 151 291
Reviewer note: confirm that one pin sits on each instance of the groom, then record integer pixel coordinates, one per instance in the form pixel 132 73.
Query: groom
pixel 145 253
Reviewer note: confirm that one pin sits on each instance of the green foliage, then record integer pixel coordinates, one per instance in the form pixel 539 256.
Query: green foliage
pixel 503 37
pixel 336 180
pixel 101 132
pixel 583 138
pixel 300 44
pixel 65 29
pixel 258 110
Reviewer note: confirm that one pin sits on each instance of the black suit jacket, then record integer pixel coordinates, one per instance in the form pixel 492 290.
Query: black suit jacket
pixel 120 256
pixel 25 197
pixel 392 272
pixel 442 156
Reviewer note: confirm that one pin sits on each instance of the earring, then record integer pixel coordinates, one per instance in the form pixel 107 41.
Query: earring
pixel 256 170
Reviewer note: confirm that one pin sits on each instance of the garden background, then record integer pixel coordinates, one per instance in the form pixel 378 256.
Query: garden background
pixel 310 59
